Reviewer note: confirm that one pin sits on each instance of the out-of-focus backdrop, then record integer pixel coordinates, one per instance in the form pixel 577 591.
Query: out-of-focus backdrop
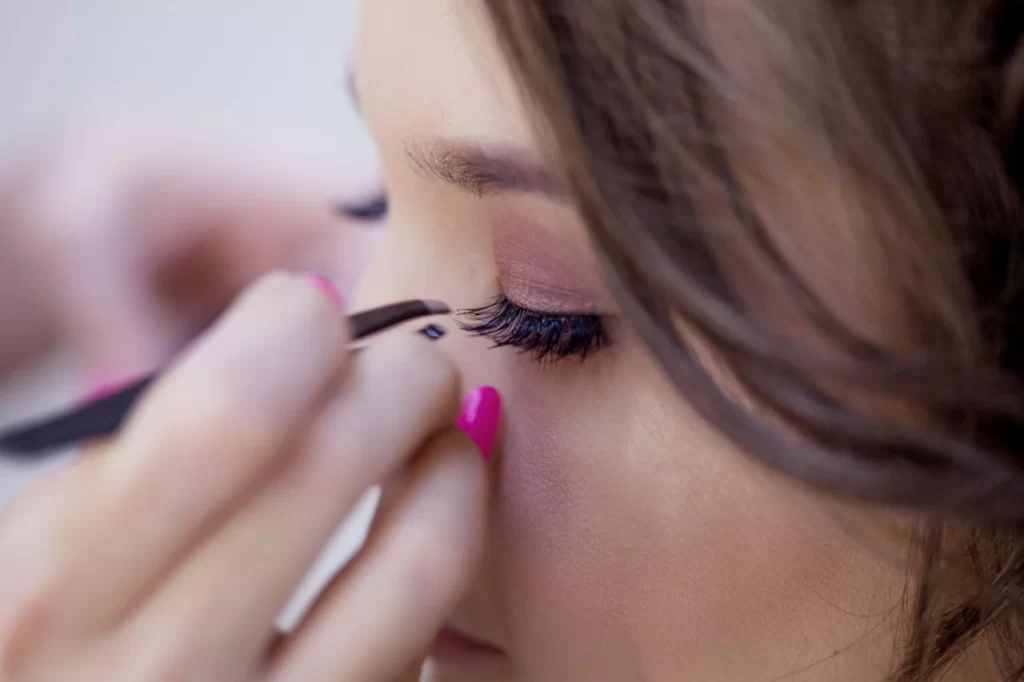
pixel 266 76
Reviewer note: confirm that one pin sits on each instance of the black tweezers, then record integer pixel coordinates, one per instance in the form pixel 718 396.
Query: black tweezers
pixel 41 438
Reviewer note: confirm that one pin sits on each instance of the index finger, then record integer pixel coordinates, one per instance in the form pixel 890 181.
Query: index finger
pixel 208 431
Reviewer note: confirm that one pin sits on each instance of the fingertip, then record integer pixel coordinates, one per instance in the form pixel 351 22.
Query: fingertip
pixel 326 286
pixel 480 418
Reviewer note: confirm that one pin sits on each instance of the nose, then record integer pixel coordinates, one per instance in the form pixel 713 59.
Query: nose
pixel 439 262
pixel 426 261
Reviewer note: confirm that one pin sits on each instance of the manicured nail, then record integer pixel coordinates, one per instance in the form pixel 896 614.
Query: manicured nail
pixel 481 413
pixel 325 285
pixel 102 385
pixel 433 331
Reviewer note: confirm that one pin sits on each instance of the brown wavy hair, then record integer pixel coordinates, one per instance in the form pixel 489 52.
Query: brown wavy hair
pixel 742 167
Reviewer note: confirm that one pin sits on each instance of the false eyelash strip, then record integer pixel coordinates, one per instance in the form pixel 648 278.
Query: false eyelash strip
pixel 546 336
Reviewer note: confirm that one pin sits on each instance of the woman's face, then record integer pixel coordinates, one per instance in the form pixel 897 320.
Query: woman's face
pixel 629 542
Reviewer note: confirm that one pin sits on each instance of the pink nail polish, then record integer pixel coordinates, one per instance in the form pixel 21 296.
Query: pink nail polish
pixel 481 413
pixel 325 285
pixel 102 385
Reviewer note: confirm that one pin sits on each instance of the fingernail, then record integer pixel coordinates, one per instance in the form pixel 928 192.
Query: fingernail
pixel 481 413
pixel 433 331
pixel 325 285
pixel 102 385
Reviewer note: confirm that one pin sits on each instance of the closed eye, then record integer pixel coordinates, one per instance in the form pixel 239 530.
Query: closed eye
pixel 546 336
pixel 370 211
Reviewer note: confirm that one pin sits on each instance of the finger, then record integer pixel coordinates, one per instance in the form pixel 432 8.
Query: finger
pixel 397 393
pixel 413 674
pixel 205 433
pixel 383 612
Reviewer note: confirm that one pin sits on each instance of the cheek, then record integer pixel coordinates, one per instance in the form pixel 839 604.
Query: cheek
pixel 555 556
pixel 598 487
pixel 625 526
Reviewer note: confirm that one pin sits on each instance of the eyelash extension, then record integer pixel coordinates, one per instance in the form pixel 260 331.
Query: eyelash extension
pixel 546 336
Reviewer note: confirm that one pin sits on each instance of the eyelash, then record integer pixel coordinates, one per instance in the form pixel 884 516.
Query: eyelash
pixel 371 211
pixel 546 336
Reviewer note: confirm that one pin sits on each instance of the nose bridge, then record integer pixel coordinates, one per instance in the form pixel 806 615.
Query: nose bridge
pixel 444 265
pixel 428 263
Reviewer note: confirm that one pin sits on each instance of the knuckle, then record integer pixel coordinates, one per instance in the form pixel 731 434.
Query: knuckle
pixel 173 664
pixel 349 448
pixel 440 376
pixel 167 667
pixel 28 618
pixel 30 522
pixel 211 416
pixel 25 505
pixel 459 475
pixel 298 304
pixel 271 287
pixel 444 546
pixel 436 573
pixel 165 649
pixel 423 372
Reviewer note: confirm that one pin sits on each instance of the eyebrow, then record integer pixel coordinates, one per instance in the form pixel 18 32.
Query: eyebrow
pixel 483 169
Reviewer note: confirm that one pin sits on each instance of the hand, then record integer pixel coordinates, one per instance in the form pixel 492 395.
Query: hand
pixel 123 243
pixel 166 553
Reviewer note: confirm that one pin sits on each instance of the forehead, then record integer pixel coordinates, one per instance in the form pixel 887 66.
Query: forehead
pixel 430 68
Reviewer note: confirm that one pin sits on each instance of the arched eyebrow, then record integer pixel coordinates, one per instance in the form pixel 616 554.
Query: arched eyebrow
pixel 476 167
pixel 483 169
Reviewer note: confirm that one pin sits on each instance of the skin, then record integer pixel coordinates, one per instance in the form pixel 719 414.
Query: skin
pixel 138 546
pixel 629 540
pixel 124 238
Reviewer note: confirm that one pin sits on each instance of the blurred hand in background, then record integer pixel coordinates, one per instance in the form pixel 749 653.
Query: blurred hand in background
pixel 121 243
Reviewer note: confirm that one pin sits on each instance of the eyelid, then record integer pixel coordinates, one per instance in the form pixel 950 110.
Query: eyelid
pixel 541 267
pixel 527 290
pixel 559 305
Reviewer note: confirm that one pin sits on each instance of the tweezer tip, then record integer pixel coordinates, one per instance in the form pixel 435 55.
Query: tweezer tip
pixel 436 307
